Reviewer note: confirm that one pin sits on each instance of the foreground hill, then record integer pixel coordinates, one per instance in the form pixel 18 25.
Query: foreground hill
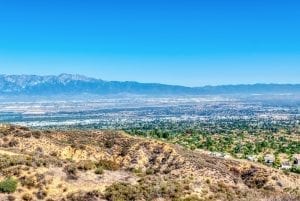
pixel 76 84
pixel 105 165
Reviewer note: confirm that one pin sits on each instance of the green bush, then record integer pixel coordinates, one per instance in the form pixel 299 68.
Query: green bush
pixel 8 185
pixel 99 170
pixel 295 169
pixel 150 171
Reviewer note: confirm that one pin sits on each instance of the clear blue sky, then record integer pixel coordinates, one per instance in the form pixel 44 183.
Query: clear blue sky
pixel 186 42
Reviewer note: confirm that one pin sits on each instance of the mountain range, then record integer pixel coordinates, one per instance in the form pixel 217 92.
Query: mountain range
pixel 78 84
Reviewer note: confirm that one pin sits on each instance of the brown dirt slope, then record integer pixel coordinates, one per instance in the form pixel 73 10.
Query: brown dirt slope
pixel 109 165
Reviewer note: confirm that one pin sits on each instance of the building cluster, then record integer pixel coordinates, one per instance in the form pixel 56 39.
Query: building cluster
pixel 285 163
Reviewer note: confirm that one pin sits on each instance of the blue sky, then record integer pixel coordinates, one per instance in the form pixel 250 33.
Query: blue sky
pixel 186 42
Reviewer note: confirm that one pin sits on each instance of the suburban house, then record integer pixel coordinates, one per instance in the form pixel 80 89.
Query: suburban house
pixel 296 160
pixel 269 159
pixel 286 165
pixel 252 158
pixel 217 154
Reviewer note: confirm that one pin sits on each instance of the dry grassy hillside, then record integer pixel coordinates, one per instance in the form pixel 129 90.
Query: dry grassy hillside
pixel 106 165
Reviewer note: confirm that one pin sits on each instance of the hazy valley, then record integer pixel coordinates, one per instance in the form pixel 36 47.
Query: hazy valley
pixel 65 145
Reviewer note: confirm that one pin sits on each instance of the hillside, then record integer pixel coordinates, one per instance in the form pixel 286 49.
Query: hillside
pixel 107 165
pixel 66 84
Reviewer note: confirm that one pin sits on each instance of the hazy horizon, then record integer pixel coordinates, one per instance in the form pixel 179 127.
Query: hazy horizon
pixel 205 85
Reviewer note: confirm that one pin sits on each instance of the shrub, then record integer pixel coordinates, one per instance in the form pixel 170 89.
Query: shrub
pixel 295 169
pixel 137 170
pixel 39 150
pixel 86 165
pixel 41 194
pixel 284 198
pixel 109 144
pixel 122 191
pixel 26 135
pixel 145 190
pixel 150 171
pixel 82 147
pixel 108 165
pixel 29 182
pixel 13 143
pixel 54 154
pixel 191 198
pixel 80 196
pixel 9 185
pixel 24 128
pixel 99 170
pixel 71 172
pixel 11 198
pixel 167 170
pixel 27 197
pixel 36 134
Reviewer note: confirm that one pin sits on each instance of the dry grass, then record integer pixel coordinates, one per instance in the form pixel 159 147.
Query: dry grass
pixel 106 165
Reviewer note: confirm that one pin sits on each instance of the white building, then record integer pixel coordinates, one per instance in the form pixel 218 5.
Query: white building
pixel 269 159
pixel 296 160
pixel 252 158
pixel 286 165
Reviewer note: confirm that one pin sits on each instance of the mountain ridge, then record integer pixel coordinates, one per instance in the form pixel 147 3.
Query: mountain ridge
pixel 78 84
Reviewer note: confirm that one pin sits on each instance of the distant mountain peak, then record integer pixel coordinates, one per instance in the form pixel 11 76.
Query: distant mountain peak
pixel 64 77
pixel 79 84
